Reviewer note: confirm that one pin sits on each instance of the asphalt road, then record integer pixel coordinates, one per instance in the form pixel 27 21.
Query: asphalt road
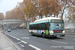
pixel 26 41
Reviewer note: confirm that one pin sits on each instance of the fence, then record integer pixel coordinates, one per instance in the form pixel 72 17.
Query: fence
pixel 70 30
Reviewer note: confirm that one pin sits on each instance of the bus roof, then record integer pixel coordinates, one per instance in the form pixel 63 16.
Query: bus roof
pixel 45 19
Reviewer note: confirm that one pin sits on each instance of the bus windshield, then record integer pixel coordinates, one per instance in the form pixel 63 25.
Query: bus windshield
pixel 57 26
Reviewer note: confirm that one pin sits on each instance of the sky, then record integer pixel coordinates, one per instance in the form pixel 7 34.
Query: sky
pixel 7 5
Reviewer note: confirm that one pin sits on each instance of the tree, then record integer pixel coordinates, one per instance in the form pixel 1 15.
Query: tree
pixel 71 12
pixel 49 7
pixel 8 15
pixel 15 13
pixel 11 14
pixel 30 8
pixel 20 7
pixel 20 14
pixel 64 5
pixel 1 16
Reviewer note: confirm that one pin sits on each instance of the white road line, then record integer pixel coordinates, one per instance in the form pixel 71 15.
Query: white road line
pixel 11 36
pixel 14 37
pixel 34 47
pixel 18 42
pixel 24 42
pixel 21 45
pixel 59 42
pixel 7 34
pixel 17 38
pixel 25 37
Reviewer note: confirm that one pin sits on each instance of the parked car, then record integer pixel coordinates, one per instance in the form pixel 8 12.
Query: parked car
pixel 9 30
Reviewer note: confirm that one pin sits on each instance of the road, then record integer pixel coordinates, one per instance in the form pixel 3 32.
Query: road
pixel 26 41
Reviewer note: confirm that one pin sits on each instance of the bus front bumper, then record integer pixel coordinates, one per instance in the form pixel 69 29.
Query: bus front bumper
pixel 57 35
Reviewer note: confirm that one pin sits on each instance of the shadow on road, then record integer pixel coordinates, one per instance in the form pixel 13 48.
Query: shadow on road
pixel 49 38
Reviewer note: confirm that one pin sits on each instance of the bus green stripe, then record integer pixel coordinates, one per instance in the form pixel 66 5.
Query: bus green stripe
pixel 47 32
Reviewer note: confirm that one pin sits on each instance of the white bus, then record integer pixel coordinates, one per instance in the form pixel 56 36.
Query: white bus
pixel 50 27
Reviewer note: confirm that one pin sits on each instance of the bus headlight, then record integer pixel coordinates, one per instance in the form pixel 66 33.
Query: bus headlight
pixel 63 31
pixel 51 32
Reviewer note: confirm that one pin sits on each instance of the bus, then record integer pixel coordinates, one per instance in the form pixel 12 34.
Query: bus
pixel 50 27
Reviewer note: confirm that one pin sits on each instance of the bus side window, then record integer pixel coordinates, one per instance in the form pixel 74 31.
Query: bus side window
pixel 43 26
pixel 40 27
pixel 37 26
pixel 47 26
pixel 33 27
pixel 30 27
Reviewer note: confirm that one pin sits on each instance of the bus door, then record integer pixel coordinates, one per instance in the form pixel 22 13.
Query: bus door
pixel 47 28
pixel 39 29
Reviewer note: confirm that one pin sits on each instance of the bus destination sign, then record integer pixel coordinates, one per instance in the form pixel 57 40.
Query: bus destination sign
pixel 54 20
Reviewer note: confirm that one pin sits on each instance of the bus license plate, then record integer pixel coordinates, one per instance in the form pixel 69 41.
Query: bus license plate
pixel 58 35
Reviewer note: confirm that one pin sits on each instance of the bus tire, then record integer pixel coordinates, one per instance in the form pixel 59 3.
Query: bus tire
pixel 32 33
pixel 43 35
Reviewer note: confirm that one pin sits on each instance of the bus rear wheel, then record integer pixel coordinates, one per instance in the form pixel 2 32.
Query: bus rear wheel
pixel 43 35
pixel 32 33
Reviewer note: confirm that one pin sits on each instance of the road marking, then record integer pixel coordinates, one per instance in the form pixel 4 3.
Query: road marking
pixel 21 45
pixel 14 37
pixel 8 34
pixel 17 38
pixel 59 42
pixel 23 42
pixel 25 37
pixel 34 47
pixel 18 42
pixel 11 35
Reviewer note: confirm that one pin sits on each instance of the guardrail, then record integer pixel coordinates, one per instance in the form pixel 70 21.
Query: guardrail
pixel 70 30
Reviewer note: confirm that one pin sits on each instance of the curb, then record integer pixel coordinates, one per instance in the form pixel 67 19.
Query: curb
pixel 12 44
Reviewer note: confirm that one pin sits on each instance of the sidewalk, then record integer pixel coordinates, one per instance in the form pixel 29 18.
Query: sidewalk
pixel 6 44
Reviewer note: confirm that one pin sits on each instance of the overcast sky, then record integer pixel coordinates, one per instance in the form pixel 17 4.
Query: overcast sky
pixel 7 5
